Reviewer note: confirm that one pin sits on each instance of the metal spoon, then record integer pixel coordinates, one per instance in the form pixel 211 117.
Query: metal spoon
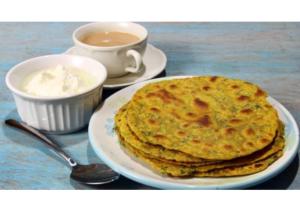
pixel 93 174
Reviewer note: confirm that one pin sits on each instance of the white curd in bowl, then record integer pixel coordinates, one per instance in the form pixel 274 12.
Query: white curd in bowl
pixel 57 93
pixel 57 81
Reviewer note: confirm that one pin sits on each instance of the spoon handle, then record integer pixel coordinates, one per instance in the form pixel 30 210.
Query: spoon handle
pixel 41 137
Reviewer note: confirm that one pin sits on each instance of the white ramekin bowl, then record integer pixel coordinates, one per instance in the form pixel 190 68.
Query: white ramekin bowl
pixel 56 114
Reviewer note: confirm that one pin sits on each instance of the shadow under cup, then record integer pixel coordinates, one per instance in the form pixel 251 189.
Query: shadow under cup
pixel 120 59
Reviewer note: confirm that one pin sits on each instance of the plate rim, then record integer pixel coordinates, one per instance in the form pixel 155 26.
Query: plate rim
pixel 170 185
pixel 161 68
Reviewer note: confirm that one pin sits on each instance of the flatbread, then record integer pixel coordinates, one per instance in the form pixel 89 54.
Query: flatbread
pixel 242 170
pixel 201 127
pixel 178 158
pixel 150 149
pixel 213 118
pixel 181 171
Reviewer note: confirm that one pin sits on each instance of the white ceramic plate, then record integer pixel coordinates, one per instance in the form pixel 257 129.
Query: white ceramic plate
pixel 154 61
pixel 105 143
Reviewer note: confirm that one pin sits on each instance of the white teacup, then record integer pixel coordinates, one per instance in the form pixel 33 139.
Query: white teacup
pixel 118 60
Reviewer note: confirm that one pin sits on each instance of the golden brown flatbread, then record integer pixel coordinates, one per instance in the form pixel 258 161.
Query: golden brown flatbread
pixel 212 118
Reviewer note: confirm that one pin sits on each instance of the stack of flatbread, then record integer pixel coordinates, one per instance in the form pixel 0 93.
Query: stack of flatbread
pixel 201 127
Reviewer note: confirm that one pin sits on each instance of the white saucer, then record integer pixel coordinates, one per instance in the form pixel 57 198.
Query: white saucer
pixel 154 61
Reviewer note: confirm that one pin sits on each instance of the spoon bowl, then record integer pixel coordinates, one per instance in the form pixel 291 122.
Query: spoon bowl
pixel 93 174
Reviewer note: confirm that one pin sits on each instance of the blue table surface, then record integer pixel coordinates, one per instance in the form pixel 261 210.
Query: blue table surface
pixel 264 53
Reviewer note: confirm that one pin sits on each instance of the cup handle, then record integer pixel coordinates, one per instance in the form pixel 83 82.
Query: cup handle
pixel 138 61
